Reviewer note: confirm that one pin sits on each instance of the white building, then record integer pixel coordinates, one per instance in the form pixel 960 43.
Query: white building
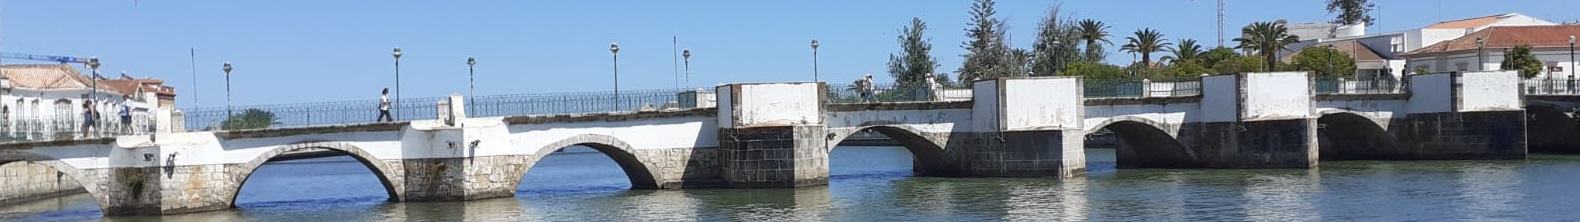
pixel 43 101
pixel 1388 47
pixel 1550 44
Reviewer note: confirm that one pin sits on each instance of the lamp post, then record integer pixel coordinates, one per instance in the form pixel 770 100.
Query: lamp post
pixel 1057 53
pixel 397 81
pixel 471 82
pixel 814 60
pixel 93 64
pixel 687 54
pixel 227 69
pixel 1481 60
pixel 1571 58
pixel 614 48
pixel 1330 53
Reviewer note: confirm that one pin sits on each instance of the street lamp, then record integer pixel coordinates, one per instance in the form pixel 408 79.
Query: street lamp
pixel 93 64
pixel 227 69
pixel 471 81
pixel 814 60
pixel 614 48
pixel 687 54
pixel 1481 60
pixel 1056 54
pixel 397 81
pixel 1330 53
pixel 1571 58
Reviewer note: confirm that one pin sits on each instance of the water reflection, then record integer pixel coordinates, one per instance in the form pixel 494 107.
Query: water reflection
pixel 1488 191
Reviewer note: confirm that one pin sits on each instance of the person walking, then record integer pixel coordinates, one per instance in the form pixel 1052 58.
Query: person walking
pixel 126 115
pixel 384 107
pixel 88 114
pixel 868 90
pixel 933 88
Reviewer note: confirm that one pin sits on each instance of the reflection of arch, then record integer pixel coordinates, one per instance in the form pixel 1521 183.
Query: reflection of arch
pixel 379 168
pixel 1351 136
pixel 92 186
pixel 640 173
pixel 1549 129
pixel 1145 143
pixel 929 153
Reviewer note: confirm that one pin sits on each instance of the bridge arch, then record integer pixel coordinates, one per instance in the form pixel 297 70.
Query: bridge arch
pixel 1550 129
pixel 76 175
pixel 1345 135
pixel 928 150
pixel 1145 143
pixel 639 171
pixel 380 169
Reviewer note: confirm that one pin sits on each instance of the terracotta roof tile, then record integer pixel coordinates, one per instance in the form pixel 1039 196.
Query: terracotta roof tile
pixel 45 76
pixel 1506 37
pixel 1467 23
pixel 1360 52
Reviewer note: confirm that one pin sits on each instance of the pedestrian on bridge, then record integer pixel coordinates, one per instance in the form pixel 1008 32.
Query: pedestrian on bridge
pixel 89 114
pixel 384 107
pixel 869 91
pixel 126 114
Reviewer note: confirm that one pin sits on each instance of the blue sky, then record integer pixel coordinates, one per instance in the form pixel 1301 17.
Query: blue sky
pixel 306 51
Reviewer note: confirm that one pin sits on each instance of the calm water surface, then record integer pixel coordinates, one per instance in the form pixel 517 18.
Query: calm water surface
pixel 875 184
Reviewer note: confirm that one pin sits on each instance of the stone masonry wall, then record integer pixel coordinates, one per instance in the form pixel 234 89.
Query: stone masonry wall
pixel 1023 153
pixel 774 156
pixel 22 182
pixel 1462 136
pixel 684 167
pixel 1253 144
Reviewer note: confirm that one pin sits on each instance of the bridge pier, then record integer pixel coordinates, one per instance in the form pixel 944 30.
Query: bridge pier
pixel 1026 128
pixel 773 135
pixel 1254 120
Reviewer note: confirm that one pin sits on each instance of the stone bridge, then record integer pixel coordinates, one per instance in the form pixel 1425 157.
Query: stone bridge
pixel 779 135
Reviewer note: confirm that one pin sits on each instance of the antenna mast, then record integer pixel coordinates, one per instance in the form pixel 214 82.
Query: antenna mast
pixel 1220 22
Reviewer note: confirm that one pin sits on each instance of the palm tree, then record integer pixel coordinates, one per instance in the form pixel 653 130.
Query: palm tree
pixel 1187 50
pixel 1266 39
pixel 1093 32
pixel 1146 42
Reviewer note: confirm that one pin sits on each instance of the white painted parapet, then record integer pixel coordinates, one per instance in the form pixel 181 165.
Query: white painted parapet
pixel 1220 101
pixel 1489 91
pixel 770 104
pixel 1431 93
pixel 1276 96
pixel 1028 104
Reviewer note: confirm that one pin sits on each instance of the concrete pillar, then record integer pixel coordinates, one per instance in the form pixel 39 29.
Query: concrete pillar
pixel 1473 115
pixel 1025 128
pixel 461 163
pixel 772 135
pixel 1254 120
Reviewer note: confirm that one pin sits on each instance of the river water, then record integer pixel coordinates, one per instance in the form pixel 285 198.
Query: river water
pixel 875 184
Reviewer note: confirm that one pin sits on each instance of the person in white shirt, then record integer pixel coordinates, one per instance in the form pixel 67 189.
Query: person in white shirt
pixel 384 107
pixel 933 87
pixel 868 90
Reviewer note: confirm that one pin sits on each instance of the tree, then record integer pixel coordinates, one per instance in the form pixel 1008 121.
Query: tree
pixel 1186 51
pixel 986 53
pixel 1238 64
pixel 1267 39
pixel 1146 42
pixel 1211 57
pixel 252 118
pixel 1520 58
pixel 1049 54
pixel 1094 32
pixel 1325 62
pixel 915 61
pixel 1351 11
pixel 1095 70
pixel 1184 69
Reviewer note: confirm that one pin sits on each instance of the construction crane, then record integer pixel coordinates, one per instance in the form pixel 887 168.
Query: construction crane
pixel 60 59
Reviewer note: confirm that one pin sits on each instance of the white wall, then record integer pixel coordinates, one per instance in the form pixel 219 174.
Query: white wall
pixel 1042 103
pixel 1494 60
pixel 984 105
pixel 777 104
pixel 1490 91
pixel 1174 113
pixel 726 117
pixel 1431 93
pixel 933 120
pixel 1277 96
pixel 1220 98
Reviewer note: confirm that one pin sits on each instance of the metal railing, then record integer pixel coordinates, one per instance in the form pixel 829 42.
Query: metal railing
pixel 366 111
pixel 1332 86
pixel 1553 86
pixel 1143 88
pixel 56 127
pixel 847 93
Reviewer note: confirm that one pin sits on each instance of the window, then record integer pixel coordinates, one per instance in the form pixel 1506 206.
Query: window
pixel 62 109
pixel 1462 66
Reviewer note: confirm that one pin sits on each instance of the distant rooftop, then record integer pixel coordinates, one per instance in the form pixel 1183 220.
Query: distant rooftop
pixel 1506 37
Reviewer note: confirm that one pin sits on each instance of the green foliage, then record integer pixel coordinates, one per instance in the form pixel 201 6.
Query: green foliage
pixel 915 61
pixel 1094 70
pixel 1520 58
pixel 1422 70
pixel 1211 57
pixel 1184 69
pixel 1325 62
pixel 1351 12
pixel 987 56
pixel 1095 34
pixel 1238 64
pixel 1146 42
pixel 1049 54
pixel 250 119
pixel 1266 39
pixel 1186 51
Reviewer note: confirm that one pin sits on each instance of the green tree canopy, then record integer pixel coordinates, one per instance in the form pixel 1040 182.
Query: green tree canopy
pixel 252 118
pixel 1184 69
pixel 1186 51
pixel 1325 61
pixel 1146 42
pixel 1238 64
pixel 1267 39
pixel 1094 70
pixel 986 56
pixel 1049 54
pixel 911 66
pixel 1095 34
pixel 1520 58
pixel 1211 57
pixel 1351 12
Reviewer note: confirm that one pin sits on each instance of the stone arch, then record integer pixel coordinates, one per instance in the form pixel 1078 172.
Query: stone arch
pixel 1145 143
pixel 1550 130
pixel 77 175
pixel 1351 136
pixel 386 175
pixel 927 149
pixel 638 171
